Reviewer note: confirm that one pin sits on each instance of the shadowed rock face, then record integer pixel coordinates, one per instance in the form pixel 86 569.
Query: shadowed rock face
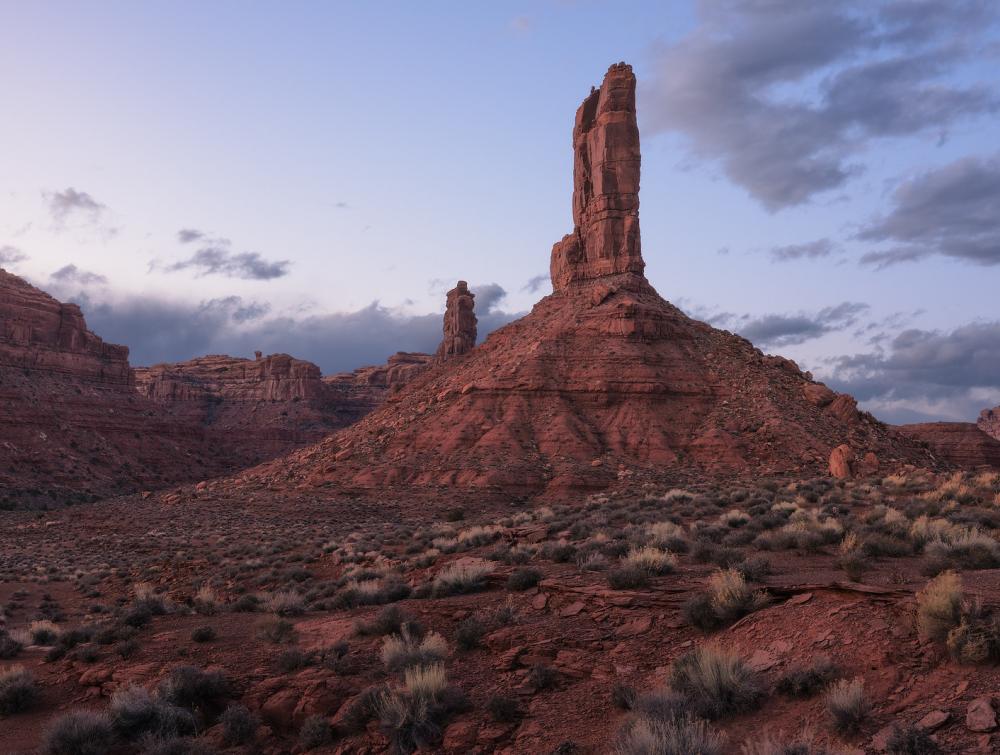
pixel 604 383
pixel 605 238
pixel 989 422
pixel 459 323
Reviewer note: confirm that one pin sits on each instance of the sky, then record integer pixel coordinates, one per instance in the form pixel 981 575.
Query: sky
pixel 312 177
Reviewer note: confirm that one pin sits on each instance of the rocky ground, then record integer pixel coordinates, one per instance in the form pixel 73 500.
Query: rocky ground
pixel 340 625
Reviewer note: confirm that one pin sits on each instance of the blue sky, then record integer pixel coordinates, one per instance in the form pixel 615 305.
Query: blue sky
pixel 822 177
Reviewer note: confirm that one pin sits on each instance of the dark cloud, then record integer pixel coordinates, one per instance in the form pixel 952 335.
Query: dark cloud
pixel 189 235
pixel 157 330
pixel 63 204
pixel 784 93
pixel 71 274
pixel 488 297
pixel 777 330
pixel 11 255
pixel 945 375
pixel 953 211
pixel 809 250
pixel 534 284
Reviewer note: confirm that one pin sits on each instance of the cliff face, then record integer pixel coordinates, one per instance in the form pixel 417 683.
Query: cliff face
pixel 72 426
pixel 961 443
pixel 604 383
pixel 260 408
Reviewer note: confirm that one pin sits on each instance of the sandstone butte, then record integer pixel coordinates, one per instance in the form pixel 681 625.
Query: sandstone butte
pixel 961 443
pixel 77 422
pixel 603 382
pixel 989 422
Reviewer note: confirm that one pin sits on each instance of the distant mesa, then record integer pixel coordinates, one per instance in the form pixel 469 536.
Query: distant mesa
pixel 989 422
pixel 963 444
pixel 604 383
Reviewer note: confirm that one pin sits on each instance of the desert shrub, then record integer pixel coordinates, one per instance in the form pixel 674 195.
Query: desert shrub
pixel 650 560
pixel 206 602
pixel 285 603
pixel 734 518
pixel 728 598
pixel 807 681
pixel 454 515
pixel 560 552
pixel 469 633
pixel 803 744
pixel 976 639
pixel 44 632
pixel 413 716
pixel 135 712
pixel 360 710
pixel 293 659
pixel 662 704
pixel 523 579
pixel 177 746
pixel 667 535
pixel 964 547
pixel 403 650
pixel 672 736
pixel 275 630
pixel 387 621
pixel 623 696
pixel 203 634
pixel 754 568
pixel 627 578
pixel 126 649
pixel 542 676
pixel 911 740
pixel 239 725
pixel 460 578
pixel 851 557
pixel 246 604
pixel 80 732
pixel 715 682
pixel 503 709
pixel 18 690
pixel 315 732
pixel 9 647
pixel 939 606
pixel 847 705
pixel 371 592
pixel 203 692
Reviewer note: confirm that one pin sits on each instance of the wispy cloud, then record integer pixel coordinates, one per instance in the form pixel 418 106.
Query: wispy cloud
pixel 72 274
pixel 215 257
pixel 11 255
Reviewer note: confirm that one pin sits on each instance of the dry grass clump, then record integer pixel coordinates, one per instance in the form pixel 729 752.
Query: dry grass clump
pixel 715 683
pixel 848 705
pixel 851 557
pixel 80 732
pixel 802 744
pixel 682 735
pixel 667 535
pixel 413 716
pixel 734 518
pixel 284 603
pixel 136 713
pixel 650 560
pixel 206 601
pixel 44 632
pixel 806 681
pixel 728 598
pixel 462 577
pixel 939 606
pixel 976 639
pixel 404 650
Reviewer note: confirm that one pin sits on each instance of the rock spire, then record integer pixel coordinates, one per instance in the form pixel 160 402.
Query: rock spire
pixel 459 323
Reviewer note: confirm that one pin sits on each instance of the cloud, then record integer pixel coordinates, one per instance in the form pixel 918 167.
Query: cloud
pixel 952 211
pixel 160 330
pixel 536 283
pixel 11 255
pixel 64 204
pixel 488 297
pixel 522 24
pixel 215 257
pixel 809 250
pixel 929 373
pixel 777 330
pixel 785 94
pixel 189 235
pixel 71 274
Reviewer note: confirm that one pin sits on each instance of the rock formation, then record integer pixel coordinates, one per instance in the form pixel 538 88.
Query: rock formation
pixel 459 323
pixel 961 443
pixel 605 237
pixel 604 383
pixel 989 422
pixel 72 426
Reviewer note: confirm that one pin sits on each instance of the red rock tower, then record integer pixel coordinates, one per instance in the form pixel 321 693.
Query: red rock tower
pixel 459 323
pixel 605 237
